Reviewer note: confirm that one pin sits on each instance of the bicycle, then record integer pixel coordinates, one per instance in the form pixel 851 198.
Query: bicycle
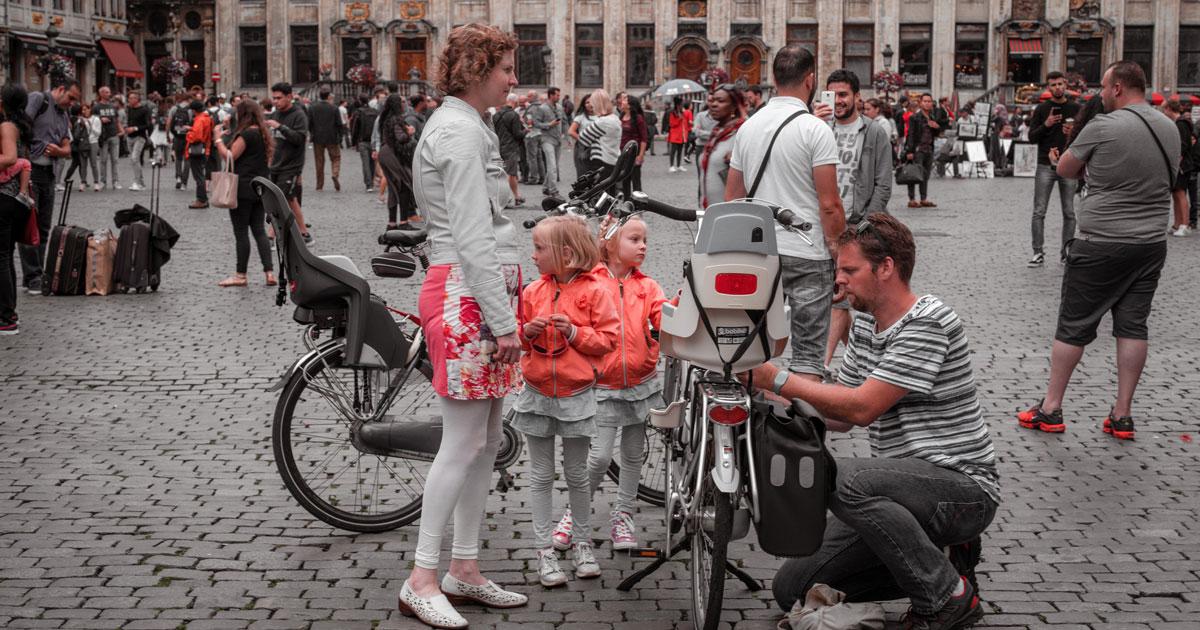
pixel 355 427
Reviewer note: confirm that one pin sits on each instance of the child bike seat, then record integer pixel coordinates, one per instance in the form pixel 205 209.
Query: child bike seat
pixel 732 312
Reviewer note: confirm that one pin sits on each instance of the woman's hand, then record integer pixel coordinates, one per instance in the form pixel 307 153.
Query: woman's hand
pixel 508 348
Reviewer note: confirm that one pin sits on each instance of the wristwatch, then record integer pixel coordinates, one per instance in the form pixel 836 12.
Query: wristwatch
pixel 781 377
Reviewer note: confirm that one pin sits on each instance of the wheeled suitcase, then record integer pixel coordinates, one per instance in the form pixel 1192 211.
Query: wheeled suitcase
pixel 134 267
pixel 66 254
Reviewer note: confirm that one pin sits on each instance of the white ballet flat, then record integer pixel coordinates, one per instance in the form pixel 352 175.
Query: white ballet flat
pixel 435 612
pixel 490 594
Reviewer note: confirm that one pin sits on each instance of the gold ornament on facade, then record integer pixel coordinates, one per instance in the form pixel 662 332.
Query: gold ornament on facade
pixel 412 10
pixel 693 9
pixel 37 18
pixel 358 11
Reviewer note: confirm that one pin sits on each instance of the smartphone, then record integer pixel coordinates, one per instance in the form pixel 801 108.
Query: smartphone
pixel 827 97
pixel 1054 111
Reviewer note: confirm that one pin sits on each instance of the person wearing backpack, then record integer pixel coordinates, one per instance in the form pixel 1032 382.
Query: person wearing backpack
pixel 180 122
pixel 199 143
pixel 81 146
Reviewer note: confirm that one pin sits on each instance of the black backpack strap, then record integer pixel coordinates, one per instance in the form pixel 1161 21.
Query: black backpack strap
pixel 758 317
pixel 44 106
pixel 1171 171
pixel 762 168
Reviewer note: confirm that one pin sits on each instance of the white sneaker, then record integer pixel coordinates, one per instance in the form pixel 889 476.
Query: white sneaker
pixel 1037 261
pixel 82 187
pixel 435 611
pixel 98 187
pixel 549 573
pixel 1182 230
pixel 561 538
pixel 136 187
pixel 672 169
pixel 116 186
pixel 584 558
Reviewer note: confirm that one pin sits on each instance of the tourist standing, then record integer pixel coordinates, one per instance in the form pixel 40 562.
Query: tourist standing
pixel 250 150
pixel 1046 128
pixel 727 106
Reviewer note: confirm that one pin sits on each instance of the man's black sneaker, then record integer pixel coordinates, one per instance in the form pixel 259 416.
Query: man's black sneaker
pixel 9 327
pixel 960 612
pixel 1120 428
pixel 34 287
pixel 965 557
pixel 1036 418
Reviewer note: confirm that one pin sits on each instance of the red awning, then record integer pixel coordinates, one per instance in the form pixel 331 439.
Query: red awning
pixel 1025 46
pixel 123 60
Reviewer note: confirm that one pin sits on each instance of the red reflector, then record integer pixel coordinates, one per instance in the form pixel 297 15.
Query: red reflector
pixel 736 283
pixel 727 415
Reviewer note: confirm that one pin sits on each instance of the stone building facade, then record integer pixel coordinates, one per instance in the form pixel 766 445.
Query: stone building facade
pixel 938 46
pixel 92 34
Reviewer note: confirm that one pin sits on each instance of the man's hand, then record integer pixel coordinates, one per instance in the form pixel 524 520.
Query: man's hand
pixel 508 348
pixel 823 111
pixel 1052 119
pixel 1054 155
pixel 105 119
pixel 272 124
pixel 374 155
pixel 933 124
pixel 410 130
pixel 55 151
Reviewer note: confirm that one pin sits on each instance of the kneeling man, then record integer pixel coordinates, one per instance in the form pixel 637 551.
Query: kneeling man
pixel 931 482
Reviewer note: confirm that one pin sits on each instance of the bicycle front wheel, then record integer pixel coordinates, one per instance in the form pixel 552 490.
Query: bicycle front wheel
pixel 320 464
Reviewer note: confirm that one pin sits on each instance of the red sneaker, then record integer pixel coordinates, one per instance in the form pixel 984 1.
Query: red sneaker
pixel 1036 418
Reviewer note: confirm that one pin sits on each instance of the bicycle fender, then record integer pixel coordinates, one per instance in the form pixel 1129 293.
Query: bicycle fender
pixel 725 473
pixel 321 351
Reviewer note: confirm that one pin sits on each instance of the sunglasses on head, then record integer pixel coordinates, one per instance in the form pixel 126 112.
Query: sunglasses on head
pixel 865 226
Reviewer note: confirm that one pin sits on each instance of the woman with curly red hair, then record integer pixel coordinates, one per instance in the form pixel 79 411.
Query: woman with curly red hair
pixel 468 312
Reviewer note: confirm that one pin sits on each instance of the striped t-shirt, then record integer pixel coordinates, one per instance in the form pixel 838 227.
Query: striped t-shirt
pixel 939 420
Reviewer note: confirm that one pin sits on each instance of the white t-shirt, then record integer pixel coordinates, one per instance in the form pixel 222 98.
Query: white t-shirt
pixel 807 142
pixel 849 146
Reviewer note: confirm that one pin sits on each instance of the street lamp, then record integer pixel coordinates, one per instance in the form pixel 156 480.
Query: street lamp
pixel 547 58
pixel 887 57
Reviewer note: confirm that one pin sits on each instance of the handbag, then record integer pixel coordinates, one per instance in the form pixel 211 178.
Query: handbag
pixel 796 475
pixel 31 235
pixel 910 173
pixel 223 187
pixel 196 149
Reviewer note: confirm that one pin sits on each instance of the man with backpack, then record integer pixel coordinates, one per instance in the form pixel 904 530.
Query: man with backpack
pixel 139 124
pixel 179 122
pixel 51 142
pixel 361 124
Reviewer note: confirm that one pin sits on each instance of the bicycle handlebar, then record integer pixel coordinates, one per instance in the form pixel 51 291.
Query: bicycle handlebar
pixel 643 202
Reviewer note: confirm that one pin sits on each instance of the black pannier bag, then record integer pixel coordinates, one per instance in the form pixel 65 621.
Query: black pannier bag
pixel 796 476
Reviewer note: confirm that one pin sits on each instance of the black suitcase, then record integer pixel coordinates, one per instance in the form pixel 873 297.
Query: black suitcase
pixel 66 254
pixel 134 267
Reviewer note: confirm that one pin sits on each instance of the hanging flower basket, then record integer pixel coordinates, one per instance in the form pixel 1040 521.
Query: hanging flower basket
pixel 362 74
pixel 884 81
pixel 56 65
pixel 169 69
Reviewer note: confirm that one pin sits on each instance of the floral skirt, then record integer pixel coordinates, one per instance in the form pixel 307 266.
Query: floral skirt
pixel 460 344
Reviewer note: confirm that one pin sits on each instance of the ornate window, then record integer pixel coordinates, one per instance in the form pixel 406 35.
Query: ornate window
pixel 589 55
pixel 254 55
pixel 305 55
pixel 531 64
pixel 858 51
pixel 1139 46
pixel 639 39
pixel 970 56
pixel 1189 56
pixel 915 53
pixel 1083 58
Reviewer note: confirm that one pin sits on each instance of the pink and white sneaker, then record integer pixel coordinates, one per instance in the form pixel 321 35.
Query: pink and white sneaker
pixel 622 531
pixel 561 538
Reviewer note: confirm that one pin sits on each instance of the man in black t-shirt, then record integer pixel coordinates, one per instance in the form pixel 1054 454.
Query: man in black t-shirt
pixel 138 125
pixel 110 136
pixel 1046 128
pixel 289 126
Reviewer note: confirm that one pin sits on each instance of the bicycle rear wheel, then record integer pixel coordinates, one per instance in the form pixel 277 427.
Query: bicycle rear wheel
pixel 321 466
pixel 710 548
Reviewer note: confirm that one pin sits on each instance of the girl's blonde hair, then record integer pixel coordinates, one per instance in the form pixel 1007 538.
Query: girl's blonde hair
pixel 602 104
pixel 608 247
pixel 569 232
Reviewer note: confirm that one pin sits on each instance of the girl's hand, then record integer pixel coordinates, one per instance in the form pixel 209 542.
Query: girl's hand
pixel 562 324
pixel 535 327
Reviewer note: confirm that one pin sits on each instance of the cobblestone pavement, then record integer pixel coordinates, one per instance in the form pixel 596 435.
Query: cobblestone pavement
pixel 138 489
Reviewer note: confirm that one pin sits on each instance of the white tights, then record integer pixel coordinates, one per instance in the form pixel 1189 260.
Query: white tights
pixel 541 486
pixel 459 477
pixel 633 448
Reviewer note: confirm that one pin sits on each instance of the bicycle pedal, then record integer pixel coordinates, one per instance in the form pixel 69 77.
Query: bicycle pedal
pixel 645 553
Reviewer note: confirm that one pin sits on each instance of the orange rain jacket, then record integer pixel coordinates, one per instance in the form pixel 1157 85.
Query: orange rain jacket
pixel 558 367
pixel 639 302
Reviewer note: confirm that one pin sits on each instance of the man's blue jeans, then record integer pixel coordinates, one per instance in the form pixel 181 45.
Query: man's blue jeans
pixel 891 519
pixel 1042 185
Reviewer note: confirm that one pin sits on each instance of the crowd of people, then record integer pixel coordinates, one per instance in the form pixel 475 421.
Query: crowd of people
pixel 574 347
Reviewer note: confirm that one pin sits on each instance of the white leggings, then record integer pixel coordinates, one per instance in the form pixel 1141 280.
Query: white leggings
pixel 541 486
pixel 459 477
pixel 633 446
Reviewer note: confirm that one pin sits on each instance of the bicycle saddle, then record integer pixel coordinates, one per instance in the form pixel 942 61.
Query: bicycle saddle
pixel 403 238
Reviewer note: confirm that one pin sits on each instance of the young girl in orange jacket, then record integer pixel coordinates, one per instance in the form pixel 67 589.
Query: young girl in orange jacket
pixel 628 386
pixel 568 323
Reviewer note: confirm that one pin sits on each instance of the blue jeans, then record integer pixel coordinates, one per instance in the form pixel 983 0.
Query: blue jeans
pixel 891 518
pixel 1042 185
pixel 808 285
